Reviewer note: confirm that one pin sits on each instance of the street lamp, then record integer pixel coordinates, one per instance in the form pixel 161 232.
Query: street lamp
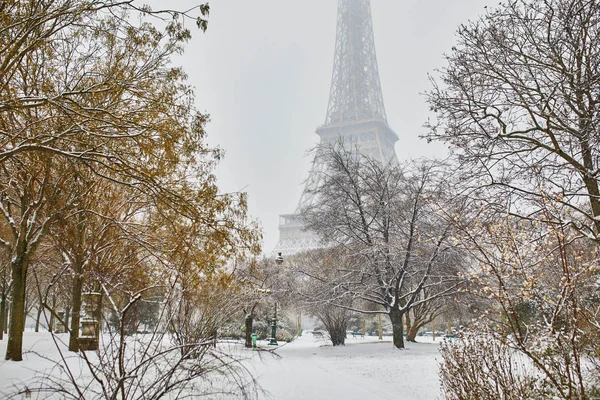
pixel 279 258
pixel 273 342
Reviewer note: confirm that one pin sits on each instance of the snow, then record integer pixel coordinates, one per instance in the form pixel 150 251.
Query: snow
pixel 307 368
pixel 366 368
pixel 16 376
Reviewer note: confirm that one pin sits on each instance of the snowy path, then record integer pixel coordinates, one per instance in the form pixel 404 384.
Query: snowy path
pixel 308 370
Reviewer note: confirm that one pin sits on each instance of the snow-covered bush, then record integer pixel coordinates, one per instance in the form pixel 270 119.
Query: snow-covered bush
pixel 478 367
pixel 335 321
pixel 264 330
pixel 283 335
pixel 537 338
pixel 482 365
pixel 231 329
pixel 183 361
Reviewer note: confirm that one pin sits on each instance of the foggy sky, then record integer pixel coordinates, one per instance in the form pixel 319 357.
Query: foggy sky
pixel 263 73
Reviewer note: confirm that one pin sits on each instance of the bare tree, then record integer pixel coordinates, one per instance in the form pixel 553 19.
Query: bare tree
pixel 393 225
pixel 518 102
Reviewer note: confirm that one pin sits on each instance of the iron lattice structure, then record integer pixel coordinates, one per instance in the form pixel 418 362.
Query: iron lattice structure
pixel 355 113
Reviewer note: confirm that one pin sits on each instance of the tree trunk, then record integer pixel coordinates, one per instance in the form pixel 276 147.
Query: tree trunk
pixel 67 316
pixel 25 308
pixel 591 183
pixel 52 317
pixel 396 317
pixel 38 317
pixel 51 322
pixel 6 315
pixel 76 304
pixel 14 347
pixel 338 336
pixel 409 327
pixel 2 314
pixel 411 333
pixel 249 322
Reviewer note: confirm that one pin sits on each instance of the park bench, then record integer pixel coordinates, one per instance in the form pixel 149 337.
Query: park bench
pixel 355 334
pixel 317 334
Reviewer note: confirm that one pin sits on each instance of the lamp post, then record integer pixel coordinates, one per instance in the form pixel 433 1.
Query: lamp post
pixel 273 342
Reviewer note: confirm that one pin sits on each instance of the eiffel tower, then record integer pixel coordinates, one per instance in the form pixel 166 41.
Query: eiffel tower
pixel 355 113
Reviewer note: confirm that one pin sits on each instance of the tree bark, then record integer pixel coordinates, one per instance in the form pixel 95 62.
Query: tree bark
pixel 249 322
pixel 67 317
pixel 591 185
pixel 76 304
pixel 411 334
pixel 14 347
pixel 409 327
pixel 52 318
pixel 51 322
pixel 396 317
pixel 338 336
pixel 419 321
pixel 6 316
pixel 2 314
pixel 38 317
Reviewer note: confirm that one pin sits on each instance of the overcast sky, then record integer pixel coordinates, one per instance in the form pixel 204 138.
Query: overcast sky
pixel 263 73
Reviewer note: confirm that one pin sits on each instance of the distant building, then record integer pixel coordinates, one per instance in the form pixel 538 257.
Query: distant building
pixel 355 113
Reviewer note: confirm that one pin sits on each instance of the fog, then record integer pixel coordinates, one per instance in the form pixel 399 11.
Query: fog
pixel 263 72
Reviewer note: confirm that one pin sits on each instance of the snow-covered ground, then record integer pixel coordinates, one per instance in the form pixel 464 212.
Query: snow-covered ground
pixel 363 369
pixel 307 368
